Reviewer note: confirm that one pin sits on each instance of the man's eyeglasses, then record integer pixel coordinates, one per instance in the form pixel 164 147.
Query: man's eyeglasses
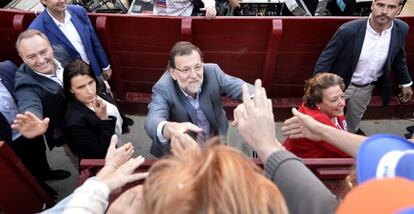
pixel 187 70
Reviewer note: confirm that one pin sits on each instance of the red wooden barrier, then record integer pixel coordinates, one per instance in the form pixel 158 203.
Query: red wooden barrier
pixel 19 192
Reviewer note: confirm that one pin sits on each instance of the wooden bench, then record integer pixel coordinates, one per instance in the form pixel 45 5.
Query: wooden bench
pixel 19 192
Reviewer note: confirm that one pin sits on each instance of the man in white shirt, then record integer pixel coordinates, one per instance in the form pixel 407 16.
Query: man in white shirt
pixel 70 27
pixel 364 52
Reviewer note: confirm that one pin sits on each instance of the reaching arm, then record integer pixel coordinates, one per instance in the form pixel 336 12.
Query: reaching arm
pixel 303 191
pixel 304 126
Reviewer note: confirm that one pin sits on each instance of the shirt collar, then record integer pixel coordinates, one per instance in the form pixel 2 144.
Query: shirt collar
pixel 372 31
pixel 58 23
pixel 58 74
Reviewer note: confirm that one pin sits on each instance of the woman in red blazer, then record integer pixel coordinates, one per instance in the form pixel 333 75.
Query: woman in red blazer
pixel 324 101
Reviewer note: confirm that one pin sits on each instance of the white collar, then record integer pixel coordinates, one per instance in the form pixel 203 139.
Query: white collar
pixel 58 23
pixel 372 31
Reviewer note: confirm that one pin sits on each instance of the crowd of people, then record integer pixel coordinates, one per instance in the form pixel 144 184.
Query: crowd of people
pixel 59 97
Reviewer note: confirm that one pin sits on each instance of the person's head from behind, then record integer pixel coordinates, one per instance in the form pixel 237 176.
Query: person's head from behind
pixel 325 92
pixel 79 82
pixel 185 65
pixel 384 11
pixel 36 52
pixel 214 179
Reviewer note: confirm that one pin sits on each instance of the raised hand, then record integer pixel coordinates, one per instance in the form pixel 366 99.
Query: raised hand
pixel 255 121
pixel 180 142
pixel 100 109
pixel 301 126
pixel 29 125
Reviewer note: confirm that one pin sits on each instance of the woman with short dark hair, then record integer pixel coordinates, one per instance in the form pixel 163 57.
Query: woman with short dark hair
pixel 92 116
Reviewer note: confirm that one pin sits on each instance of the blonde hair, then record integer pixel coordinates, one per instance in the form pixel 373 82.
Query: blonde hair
pixel 214 179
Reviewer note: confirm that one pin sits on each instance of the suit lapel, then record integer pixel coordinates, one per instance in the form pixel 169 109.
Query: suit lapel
pixel 395 39
pixel 80 27
pixel 52 28
pixel 359 41
pixel 48 83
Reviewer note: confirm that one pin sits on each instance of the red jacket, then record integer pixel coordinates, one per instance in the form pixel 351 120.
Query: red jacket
pixel 306 148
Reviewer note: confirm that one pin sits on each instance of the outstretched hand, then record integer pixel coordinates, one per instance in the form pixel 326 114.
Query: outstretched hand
pixel 301 126
pixel 119 166
pixel 255 121
pixel 29 125
pixel 210 12
pixel 181 142
pixel 179 127
pixel 117 156
pixel 128 202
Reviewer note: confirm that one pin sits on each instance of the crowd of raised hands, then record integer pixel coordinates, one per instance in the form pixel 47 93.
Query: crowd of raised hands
pixel 255 120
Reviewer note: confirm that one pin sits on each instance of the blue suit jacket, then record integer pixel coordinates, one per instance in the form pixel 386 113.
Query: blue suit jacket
pixel 342 53
pixel 94 50
pixel 7 73
pixel 170 104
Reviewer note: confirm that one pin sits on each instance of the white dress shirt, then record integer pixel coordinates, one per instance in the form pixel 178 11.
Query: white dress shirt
pixel 373 56
pixel 58 76
pixel 69 30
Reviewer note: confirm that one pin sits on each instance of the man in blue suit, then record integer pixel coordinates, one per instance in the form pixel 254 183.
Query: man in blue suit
pixel 187 98
pixel 364 52
pixel 70 27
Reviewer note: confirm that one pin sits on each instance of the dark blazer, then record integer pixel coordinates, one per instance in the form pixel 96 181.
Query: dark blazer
pixel 342 53
pixel 86 134
pixel 7 73
pixel 44 98
pixel 93 48
pixel 170 104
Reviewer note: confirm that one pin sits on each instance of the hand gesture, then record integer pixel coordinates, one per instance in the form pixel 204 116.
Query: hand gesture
pixel 301 126
pixel 100 109
pixel 117 156
pixel 179 127
pixel 29 125
pixel 210 12
pixel 128 202
pixel 405 95
pixel 181 142
pixel 255 121
pixel 107 74
pixel 124 174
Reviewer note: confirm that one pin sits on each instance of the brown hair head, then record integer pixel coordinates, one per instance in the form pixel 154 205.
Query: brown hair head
pixel 214 179
pixel 182 48
pixel 315 86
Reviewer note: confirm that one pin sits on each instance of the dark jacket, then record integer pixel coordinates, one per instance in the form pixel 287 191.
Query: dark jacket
pixel 87 135
pixel 342 53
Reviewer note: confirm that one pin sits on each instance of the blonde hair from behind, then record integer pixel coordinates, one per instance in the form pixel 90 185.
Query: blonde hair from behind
pixel 213 179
